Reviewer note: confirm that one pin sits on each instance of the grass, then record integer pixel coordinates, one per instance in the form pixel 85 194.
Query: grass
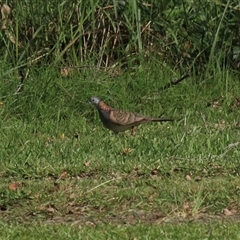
pixel 185 34
pixel 166 231
pixel 61 170
pixel 64 176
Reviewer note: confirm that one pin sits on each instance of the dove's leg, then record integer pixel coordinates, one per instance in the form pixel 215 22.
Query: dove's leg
pixel 133 130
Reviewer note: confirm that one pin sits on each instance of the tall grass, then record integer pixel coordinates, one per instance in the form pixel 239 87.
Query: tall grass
pixel 109 33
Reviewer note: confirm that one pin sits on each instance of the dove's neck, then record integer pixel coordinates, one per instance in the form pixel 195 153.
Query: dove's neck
pixel 103 107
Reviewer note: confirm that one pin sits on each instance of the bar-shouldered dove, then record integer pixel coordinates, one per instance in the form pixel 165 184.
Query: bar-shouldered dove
pixel 120 120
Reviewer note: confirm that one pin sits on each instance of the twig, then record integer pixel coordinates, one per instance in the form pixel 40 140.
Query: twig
pixel 175 82
pixel 168 85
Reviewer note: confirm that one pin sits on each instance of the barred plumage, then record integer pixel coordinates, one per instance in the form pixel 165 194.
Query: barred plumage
pixel 119 120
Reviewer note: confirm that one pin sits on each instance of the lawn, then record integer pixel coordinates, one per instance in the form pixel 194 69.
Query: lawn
pixel 64 176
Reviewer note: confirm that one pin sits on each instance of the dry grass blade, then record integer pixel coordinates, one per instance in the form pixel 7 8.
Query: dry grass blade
pixel 102 184
pixel 5 11
pixel 7 23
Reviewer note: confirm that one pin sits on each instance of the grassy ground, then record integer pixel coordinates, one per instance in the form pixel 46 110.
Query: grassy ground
pixel 61 170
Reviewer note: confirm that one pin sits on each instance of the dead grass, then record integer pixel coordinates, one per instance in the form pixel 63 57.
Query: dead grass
pixel 129 198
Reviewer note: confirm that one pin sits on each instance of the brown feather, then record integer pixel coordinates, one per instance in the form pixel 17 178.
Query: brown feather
pixel 120 120
pixel 104 106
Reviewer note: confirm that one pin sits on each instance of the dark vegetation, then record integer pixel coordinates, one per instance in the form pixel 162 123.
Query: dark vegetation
pixel 186 35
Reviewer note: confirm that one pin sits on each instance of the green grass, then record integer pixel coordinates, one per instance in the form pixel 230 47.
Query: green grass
pixel 61 170
pixel 164 231
pixel 64 176
pixel 187 35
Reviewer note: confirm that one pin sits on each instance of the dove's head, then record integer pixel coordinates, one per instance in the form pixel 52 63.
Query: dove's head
pixel 95 101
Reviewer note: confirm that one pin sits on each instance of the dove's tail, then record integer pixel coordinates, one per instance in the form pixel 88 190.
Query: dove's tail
pixel 161 120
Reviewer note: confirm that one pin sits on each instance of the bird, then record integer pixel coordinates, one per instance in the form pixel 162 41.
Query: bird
pixel 119 120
